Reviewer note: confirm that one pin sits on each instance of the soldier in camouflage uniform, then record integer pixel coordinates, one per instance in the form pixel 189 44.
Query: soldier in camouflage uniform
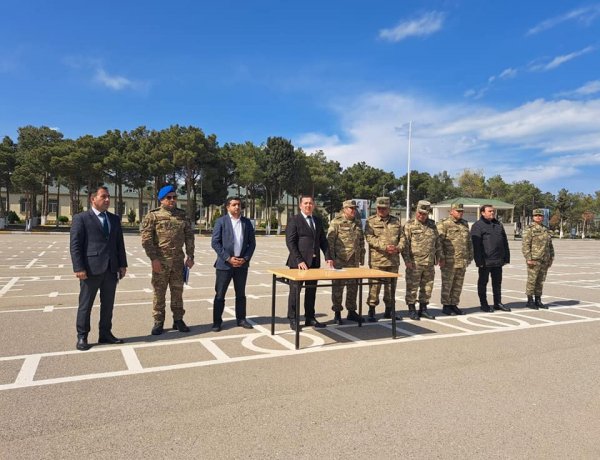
pixel 421 251
pixel 539 255
pixel 457 249
pixel 347 247
pixel 164 232
pixel 383 232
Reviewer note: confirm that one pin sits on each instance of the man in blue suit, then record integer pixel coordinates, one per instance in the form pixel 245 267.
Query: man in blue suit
pixel 99 261
pixel 234 242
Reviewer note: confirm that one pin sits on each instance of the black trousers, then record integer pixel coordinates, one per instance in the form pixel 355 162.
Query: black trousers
pixel 224 277
pixel 88 288
pixel 310 294
pixel 484 275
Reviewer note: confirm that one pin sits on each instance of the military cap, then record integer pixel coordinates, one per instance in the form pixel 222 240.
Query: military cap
pixel 424 207
pixel 163 192
pixel 538 212
pixel 349 204
pixel 382 202
pixel 457 206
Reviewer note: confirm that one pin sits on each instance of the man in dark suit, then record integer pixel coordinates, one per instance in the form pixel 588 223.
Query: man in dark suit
pixel 234 242
pixel 304 236
pixel 99 261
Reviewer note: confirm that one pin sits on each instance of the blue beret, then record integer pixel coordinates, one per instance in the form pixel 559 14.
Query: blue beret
pixel 163 192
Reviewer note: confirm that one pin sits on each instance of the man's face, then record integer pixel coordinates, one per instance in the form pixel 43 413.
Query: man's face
pixel 456 214
pixel 538 219
pixel 307 205
pixel 349 213
pixel 422 217
pixel 383 212
pixel 235 208
pixel 169 201
pixel 488 213
pixel 101 201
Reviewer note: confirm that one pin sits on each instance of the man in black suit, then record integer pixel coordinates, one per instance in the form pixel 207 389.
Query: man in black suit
pixel 99 261
pixel 304 236
pixel 234 242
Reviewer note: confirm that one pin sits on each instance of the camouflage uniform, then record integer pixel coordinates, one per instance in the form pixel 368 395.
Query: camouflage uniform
pixel 423 249
pixel 347 246
pixel 164 233
pixel 537 246
pixel 457 249
pixel 380 232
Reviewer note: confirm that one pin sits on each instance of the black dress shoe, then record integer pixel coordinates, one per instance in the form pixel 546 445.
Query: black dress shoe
pixel 457 310
pixel 337 318
pixel 158 328
pixel 216 328
pixel 293 325
pixel 500 306
pixel 313 322
pixel 448 310
pixel 180 326
pixel 110 339
pixel 245 324
pixel 82 344
pixel 353 316
pixel 486 308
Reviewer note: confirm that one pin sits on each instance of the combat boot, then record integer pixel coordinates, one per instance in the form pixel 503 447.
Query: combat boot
pixel 337 318
pixel 353 316
pixel 538 302
pixel 412 312
pixel 423 313
pixel 371 315
pixel 530 303
pixel 387 314
pixel 457 310
pixel 158 328
pixel 448 310
pixel 180 326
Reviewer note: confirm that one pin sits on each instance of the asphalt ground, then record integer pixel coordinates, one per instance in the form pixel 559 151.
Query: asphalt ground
pixel 522 384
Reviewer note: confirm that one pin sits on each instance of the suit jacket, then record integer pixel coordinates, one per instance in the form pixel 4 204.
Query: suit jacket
pixel 223 242
pixel 490 244
pixel 303 243
pixel 90 250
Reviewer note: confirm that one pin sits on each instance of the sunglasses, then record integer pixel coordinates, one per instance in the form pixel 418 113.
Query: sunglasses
pixel 171 197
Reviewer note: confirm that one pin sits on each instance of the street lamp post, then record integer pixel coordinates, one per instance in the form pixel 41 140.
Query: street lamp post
pixel 408 174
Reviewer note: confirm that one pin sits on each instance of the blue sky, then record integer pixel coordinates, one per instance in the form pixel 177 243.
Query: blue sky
pixel 507 87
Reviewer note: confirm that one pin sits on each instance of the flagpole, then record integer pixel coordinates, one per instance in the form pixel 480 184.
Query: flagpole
pixel 408 174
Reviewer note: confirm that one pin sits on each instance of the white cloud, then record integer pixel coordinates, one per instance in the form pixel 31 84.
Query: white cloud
pixel 115 82
pixel 583 15
pixel 591 87
pixel 560 60
pixel 102 77
pixel 422 26
pixel 508 73
pixel 540 141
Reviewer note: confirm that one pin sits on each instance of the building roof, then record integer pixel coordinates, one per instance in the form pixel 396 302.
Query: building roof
pixel 474 202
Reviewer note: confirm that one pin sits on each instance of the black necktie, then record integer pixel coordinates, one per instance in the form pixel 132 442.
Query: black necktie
pixel 311 223
pixel 105 225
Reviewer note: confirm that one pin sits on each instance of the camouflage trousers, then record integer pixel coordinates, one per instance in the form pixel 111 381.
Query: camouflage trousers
pixel 420 279
pixel 171 276
pixel 536 275
pixel 337 290
pixel 389 290
pixel 452 284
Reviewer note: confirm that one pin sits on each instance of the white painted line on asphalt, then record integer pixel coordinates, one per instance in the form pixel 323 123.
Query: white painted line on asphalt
pixel 30 264
pixel 410 334
pixel 219 354
pixel 131 359
pixel 53 294
pixel 143 262
pixel 28 370
pixel 447 323
pixel 8 285
pixel 41 253
pixel 530 316
pixel 48 308
pixel 343 334
pixel 554 310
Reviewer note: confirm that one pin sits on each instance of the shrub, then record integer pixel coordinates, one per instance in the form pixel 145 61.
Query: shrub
pixel 63 219
pixel 12 217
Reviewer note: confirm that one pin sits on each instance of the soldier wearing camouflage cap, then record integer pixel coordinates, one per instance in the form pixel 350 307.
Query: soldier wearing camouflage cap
pixel 347 248
pixel 457 248
pixel 165 230
pixel 421 252
pixel 539 255
pixel 383 233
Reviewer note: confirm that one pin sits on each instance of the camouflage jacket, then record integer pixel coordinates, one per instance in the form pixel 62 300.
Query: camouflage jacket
pixel 165 232
pixel 537 243
pixel 455 239
pixel 380 232
pixel 346 241
pixel 421 243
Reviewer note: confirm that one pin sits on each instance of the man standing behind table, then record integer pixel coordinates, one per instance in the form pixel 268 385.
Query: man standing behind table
pixel 347 247
pixel 421 252
pixel 304 236
pixel 234 242
pixel 539 255
pixel 383 233
pixel 491 253
pixel 164 232
pixel 99 260
pixel 457 249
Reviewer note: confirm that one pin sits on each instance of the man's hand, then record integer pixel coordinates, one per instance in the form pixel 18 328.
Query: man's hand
pixel 156 267
pixel 81 275
pixel 189 262
pixel 236 261
pixel 391 249
pixel 122 272
pixel 441 263
pixel 531 263
pixel 410 265
pixel 302 266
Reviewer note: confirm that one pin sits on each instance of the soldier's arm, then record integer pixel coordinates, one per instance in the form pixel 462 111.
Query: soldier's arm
pixel 148 236
pixel 332 235
pixel 190 242
pixel 526 245
pixel 439 253
pixel 372 239
pixel 361 244
pixel 405 250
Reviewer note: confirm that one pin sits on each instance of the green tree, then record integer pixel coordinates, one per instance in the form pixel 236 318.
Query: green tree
pixel 472 184
pixel 496 188
pixel 8 163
